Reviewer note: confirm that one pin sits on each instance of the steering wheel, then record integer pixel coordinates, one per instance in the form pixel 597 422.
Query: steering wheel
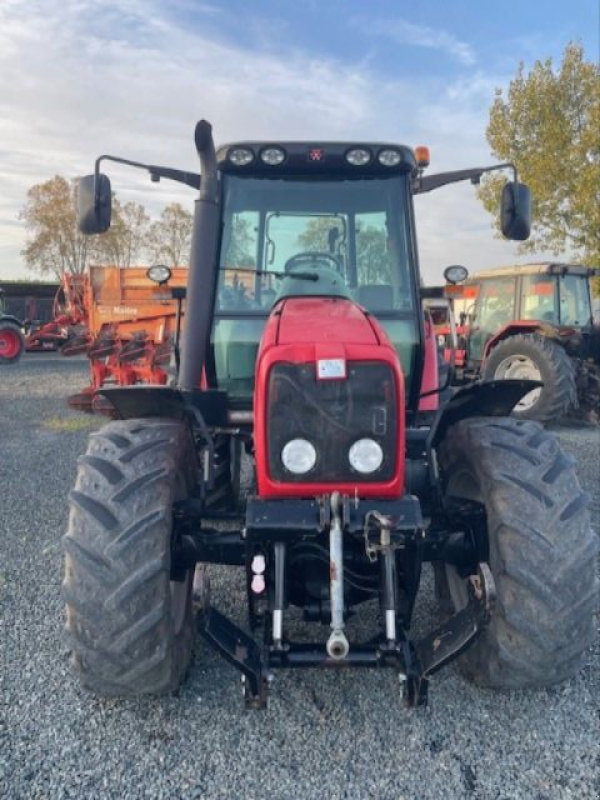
pixel 310 259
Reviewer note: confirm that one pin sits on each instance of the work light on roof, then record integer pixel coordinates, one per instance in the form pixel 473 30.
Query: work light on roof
pixel 358 156
pixel 389 158
pixel 241 156
pixel 273 156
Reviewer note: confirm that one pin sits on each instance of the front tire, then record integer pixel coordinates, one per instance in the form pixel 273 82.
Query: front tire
pixel 130 627
pixel 541 551
pixel 12 343
pixel 535 357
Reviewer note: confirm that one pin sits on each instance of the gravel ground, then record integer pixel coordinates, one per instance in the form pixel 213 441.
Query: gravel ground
pixel 325 735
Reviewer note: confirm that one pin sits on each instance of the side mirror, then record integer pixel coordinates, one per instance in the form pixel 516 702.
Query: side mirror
pixel 456 273
pixel 515 211
pixel 94 204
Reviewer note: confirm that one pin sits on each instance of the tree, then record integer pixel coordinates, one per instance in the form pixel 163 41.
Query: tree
pixel 170 236
pixel 125 242
pixel 54 244
pixel 548 124
pixel 372 258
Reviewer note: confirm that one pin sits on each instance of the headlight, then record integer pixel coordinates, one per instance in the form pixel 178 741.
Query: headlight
pixel 273 156
pixel 240 156
pixel 365 456
pixel 389 158
pixel 299 456
pixel 159 273
pixel 358 157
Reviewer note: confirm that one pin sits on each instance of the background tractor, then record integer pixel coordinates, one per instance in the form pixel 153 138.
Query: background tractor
pixel 535 322
pixel 306 352
pixel 12 340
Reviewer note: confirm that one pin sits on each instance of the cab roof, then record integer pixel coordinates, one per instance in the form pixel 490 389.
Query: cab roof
pixel 536 268
pixel 316 158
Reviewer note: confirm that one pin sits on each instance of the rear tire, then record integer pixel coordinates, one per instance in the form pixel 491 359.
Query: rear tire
pixel 541 552
pixel 130 627
pixel 12 343
pixel 523 355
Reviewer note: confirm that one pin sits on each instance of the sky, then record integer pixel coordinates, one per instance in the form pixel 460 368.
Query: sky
pixel 79 78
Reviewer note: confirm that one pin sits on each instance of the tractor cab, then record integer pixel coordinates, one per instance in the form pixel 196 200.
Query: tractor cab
pixel 555 296
pixel 305 220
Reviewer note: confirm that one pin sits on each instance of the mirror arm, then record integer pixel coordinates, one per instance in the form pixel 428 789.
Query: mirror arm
pixel 426 183
pixel 156 173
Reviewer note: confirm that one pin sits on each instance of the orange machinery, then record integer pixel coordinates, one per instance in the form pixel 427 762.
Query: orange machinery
pixel 131 328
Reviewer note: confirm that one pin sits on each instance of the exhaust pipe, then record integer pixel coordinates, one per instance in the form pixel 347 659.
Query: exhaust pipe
pixel 202 274
pixel 337 645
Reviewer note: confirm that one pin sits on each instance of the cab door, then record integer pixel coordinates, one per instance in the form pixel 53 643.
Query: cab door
pixel 494 308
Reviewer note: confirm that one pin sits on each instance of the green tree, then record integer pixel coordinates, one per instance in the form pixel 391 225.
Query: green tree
pixel 371 247
pixel 548 124
pixel 170 236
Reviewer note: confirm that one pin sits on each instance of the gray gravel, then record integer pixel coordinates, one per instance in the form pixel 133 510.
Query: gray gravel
pixel 325 735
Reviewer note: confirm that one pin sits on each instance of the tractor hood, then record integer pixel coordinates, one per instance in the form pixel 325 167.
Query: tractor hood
pixel 327 374
pixel 323 320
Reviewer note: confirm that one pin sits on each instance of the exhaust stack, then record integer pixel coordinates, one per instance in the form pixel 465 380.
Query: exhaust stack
pixel 202 273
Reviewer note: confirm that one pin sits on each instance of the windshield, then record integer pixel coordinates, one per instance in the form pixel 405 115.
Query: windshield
pixel 357 230
pixel 575 302
pixel 570 305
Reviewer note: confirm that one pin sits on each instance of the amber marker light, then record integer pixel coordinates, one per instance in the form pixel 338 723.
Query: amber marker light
pixel 422 156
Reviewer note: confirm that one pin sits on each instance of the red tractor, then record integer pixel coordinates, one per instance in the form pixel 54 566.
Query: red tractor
pixel 307 362
pixel 12 340
pixel 535 321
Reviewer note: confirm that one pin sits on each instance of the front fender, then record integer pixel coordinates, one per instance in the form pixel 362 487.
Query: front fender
pixel 480 399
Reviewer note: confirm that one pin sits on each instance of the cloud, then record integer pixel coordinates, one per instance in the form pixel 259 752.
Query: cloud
pixel 83 77
pixel 403 32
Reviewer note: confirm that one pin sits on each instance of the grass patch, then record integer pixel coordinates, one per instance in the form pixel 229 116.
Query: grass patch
pixel 71 424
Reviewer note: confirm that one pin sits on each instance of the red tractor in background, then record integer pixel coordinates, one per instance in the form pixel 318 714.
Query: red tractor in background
pixel 308 360
pixel 534 321
pixel 12 339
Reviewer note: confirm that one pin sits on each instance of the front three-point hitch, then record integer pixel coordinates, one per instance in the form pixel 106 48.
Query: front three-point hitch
pixel 392 537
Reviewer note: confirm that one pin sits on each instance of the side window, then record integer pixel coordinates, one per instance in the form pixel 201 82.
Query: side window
pixel 496 303
pixel 495 308
pixel 239 252
pixel 378 279
pixel 538 298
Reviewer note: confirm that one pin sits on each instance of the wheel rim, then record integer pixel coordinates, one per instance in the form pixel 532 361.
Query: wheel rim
pixel 520 367
pixel 10 344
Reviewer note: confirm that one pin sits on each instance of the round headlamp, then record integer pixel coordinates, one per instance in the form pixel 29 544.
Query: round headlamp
pixel 160 273
pixel 358 157
pixel 240 156
pixel 389 158
pixel 299 456
pixel 365 456
pixel 273 156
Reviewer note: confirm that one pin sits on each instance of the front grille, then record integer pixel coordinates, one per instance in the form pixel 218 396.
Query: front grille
pixel 332 415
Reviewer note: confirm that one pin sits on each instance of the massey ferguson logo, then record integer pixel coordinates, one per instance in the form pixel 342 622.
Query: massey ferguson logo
pixel 316 154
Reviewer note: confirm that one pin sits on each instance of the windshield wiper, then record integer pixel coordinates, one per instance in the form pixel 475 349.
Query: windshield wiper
pixel 303 276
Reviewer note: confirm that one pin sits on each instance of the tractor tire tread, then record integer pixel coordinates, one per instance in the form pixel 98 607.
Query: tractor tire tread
pixel 546 583
pixel 117 559
pixel 559 394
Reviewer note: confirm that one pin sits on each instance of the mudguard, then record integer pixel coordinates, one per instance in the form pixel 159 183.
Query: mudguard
pixel 481 399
